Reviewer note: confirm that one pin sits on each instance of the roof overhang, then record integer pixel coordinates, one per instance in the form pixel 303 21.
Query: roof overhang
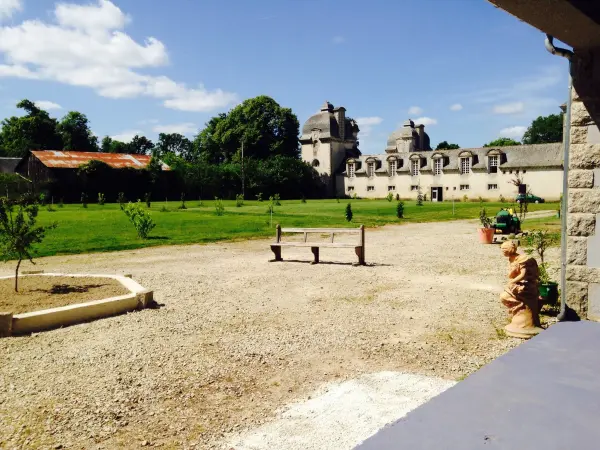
pixel 574 22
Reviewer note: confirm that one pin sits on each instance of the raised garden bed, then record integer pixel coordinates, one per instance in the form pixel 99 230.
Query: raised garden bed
pixel 46 301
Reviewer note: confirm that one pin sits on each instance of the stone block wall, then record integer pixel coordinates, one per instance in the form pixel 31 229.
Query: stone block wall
pixel 583 219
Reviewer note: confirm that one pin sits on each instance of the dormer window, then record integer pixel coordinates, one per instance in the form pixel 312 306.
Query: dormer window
pixel 351 168
pixel 415 166
pixel 393 165
pixel 438 163
pixel 371 168
pixel 465 165
pixel 493 163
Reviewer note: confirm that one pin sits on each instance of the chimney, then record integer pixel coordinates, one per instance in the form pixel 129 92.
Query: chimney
pixel 421 131
pixel 340 116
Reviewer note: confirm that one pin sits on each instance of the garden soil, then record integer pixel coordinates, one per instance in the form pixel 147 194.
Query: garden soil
pixel 44 292
pixel 237 338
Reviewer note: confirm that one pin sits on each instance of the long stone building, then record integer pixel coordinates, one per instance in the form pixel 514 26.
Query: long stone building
pixel 409 165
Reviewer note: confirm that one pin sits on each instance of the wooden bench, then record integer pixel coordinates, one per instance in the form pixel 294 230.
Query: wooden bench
pixel 359 247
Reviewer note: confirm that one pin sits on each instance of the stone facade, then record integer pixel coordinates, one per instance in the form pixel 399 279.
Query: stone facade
pixel 583 220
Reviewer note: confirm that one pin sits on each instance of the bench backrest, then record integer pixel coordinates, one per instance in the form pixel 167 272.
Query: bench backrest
pixel 360 231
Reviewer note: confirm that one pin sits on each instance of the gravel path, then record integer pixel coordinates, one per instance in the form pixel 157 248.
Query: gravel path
pixel 238 337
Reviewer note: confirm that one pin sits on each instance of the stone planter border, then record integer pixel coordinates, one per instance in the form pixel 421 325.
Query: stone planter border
pixel 138 298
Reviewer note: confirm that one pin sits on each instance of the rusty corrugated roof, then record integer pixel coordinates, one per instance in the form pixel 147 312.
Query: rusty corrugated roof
pixel 71 160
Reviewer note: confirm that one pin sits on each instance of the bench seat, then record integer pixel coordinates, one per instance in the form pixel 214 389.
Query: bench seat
pixel 315 244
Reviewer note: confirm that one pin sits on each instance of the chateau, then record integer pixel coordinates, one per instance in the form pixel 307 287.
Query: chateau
pixel 330 144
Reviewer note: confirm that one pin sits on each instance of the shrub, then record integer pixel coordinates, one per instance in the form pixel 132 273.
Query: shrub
pixel 276 200
pixel 18 231
pixel 501 199
pixel 219 207
pixel 140 218
pixel 182 206
pixel 61 203
pixel 303 199
pixel 147 200
pixel 539 241
pixel 122 200
pixel 400 210
pixel 465 198
pixel 271 205
pixel 337 199
pixel 480 199
pixel 239 200
pixel 390 197
pixel 355 196
pixel 50 208
pixel 348 213
pixel 397 197
pixel 420 196
pixel 84 199
pixel 259 197
pixel 42 199
pixel 486 221
pixel 164 209
pixel 101 198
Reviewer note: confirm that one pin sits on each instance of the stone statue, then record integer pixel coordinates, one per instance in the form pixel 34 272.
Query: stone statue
pixel 521 293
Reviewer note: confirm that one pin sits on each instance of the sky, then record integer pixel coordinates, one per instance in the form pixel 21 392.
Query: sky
pixel 468 71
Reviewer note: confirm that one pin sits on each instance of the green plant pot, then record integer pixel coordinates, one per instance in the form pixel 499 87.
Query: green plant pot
pixel 549 293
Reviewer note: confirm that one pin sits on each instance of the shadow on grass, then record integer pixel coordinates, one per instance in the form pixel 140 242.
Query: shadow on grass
pixel 158 238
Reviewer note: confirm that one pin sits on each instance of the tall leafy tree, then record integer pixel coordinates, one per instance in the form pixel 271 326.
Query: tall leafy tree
pixel 76 134
pixel 502 142
pixel 265 128
pixel 140 145
pixel 445 146
pixel 545 129
pixel 174 143
pixel 36 130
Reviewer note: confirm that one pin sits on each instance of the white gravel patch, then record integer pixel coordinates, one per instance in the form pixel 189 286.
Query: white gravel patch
pixel 342 415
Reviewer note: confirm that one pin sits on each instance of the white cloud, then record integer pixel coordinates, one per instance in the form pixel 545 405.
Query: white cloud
pixel 513 132
pixel 9 7
pixel 181 128
pixel 456 107
pixel 85 46
pixel 425 121
pixel 127 135
pixel 45 104
pixel 339 39
pixel 147 121
pixel 366 124
pixel 415 111
pixel 509 108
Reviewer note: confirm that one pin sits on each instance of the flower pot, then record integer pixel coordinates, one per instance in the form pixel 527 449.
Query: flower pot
pixel 549 293
pixel 486 235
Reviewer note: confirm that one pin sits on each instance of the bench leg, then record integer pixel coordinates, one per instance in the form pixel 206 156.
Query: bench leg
pixel 315 251
pixel 277 251
pixel 361 256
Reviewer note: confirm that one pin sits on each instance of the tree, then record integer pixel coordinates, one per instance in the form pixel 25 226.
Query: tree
pixel 502 142
pixel 105 147
pixel 140 145
pixel 176 144
pixel 18 231
pixel 545 130
pixel 76 134
pixel 265 128
pixel 34 131
pixel 445 146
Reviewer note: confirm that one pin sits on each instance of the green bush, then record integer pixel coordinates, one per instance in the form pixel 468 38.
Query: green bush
pixel 259 197
pixel 182 206
pixel 397 197
pixel 277 200
pixel 239 200
pixel 122 200
pixel 84 200
pixel 219 207
pixel 140 218
pixel 271 205
pixel 400 210
pixel 389 197
pixel 303 199
pixel 101 198
pixel 61 203
pixel 147 199
pixel 420 196
pixel 348 213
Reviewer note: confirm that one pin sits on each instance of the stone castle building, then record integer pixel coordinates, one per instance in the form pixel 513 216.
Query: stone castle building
pixel 330 144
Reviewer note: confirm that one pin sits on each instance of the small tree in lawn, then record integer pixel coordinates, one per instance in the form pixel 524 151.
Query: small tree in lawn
pixel 349 212
pixel 140 218
pixel 419 196
pixel 18 231
pixel 400 210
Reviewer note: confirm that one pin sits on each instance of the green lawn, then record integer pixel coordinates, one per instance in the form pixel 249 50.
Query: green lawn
pixel 105 228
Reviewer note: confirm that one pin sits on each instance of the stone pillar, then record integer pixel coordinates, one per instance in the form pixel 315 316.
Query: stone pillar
pixel 583 219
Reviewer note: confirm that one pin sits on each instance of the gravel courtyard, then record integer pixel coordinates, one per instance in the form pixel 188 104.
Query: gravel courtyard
pixel 237 337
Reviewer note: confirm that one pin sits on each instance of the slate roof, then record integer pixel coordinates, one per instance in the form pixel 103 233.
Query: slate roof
pixel 72 160
pixel 8 165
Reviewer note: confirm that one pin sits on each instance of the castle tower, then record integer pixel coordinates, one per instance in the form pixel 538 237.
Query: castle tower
pixel 328 138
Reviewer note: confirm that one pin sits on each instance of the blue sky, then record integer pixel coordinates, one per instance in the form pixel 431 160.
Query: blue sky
pixel 468 71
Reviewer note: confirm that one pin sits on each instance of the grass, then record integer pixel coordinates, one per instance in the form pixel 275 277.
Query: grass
pixel 106 228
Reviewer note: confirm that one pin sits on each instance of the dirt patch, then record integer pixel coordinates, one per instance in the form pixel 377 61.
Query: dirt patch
pixel 44 292
pixel 239 337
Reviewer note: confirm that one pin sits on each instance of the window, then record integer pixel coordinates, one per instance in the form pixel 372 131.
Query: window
pixel 370 188
pixel 454 188
pixel 414 167
pixel 493 161
pixel 393 166
pixel 465 165
pixel 492 187
pixel 315 163
pixel 464 187
pixel 437 166
pixel 351 170
pixel 391 188
pixel 524 171
pixel 414 187
pixel 370 169
pixel 350 188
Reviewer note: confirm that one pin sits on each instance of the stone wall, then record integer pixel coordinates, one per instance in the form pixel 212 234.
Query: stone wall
pixel 583 219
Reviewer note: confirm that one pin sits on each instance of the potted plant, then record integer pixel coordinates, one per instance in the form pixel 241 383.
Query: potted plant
pixel 486 232
pixel 539 241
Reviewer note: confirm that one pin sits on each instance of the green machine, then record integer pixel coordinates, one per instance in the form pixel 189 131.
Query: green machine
pixel 507 222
